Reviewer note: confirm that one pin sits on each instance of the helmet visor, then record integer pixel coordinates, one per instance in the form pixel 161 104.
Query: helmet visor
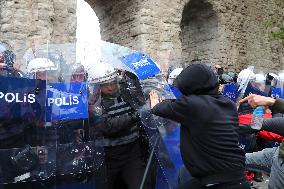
pixel 110 88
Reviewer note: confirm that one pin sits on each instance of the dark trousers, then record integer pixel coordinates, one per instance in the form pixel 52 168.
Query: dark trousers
pixel 125 167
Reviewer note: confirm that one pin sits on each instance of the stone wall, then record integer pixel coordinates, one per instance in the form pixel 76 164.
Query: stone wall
pixel 234 34
pixel 231 33
pixel 24 23
pixel 262 18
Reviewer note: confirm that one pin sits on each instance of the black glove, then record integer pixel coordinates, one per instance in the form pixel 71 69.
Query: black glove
pixel 118 125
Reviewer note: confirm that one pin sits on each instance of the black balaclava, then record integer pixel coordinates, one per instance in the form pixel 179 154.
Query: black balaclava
pixel 198 79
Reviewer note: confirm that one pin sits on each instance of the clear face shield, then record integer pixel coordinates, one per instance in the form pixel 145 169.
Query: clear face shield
pixel 244 78
pixel 259 85
pixel 48 76
pixel 75 72
pixel 78 77
pixel 110 88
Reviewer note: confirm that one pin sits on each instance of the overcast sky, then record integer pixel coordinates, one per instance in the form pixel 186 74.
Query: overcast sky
pixel 88 34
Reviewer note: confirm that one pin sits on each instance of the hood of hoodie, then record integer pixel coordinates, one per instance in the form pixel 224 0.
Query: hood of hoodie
pixel 198 79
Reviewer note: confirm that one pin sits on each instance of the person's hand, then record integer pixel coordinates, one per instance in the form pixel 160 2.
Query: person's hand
pixel 257 100
pixel 154 98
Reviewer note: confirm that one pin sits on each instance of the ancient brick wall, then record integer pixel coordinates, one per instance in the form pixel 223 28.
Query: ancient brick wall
pixel 232 33
pixel 24 23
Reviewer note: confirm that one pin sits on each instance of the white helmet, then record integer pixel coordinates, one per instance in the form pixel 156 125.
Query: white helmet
pixel 272 74
pixel 102 73
pixel 260 78
pixel 40 64
pixel 174 74
pixel 245 75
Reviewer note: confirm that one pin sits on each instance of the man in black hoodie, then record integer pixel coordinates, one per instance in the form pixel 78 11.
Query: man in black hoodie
pixel 209 144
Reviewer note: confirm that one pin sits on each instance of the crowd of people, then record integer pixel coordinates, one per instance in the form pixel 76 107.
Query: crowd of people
pixel 204 113
pixel 109 148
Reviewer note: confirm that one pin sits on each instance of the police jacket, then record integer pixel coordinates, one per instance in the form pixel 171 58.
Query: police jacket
pixel 209 143
pixel 118 124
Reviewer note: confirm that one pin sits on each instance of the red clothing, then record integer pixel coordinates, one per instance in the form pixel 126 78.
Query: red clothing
pixel 246 119
pixel 270 136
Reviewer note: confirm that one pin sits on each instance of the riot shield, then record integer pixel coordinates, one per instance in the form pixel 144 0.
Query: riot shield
pixel 244 77
pixel 138 74
pixel 62 131
pixel 163 134
pixel 230 91
pixel 25 155
pixel 258 85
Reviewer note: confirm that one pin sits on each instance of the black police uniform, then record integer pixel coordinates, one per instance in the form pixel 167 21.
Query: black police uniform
pixel 118 131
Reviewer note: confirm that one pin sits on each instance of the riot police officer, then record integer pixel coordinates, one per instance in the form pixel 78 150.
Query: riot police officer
pixel 12 123
pixel 72 137
pixel 62 141
pixel 117 129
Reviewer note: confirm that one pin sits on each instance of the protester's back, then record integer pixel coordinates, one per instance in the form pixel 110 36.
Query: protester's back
pixel 209 144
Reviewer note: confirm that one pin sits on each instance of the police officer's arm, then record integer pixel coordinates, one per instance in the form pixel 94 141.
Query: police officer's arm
pixel 257 100
pixel 113 125
pixel 274 125
pixel 278 105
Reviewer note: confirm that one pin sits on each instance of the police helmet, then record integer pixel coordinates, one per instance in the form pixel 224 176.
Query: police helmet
pixel 245 75
pixel 77 72
pixel 77 68
pixel 271 76
pixel 102 73
pixel 260 78
pixel 40 64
